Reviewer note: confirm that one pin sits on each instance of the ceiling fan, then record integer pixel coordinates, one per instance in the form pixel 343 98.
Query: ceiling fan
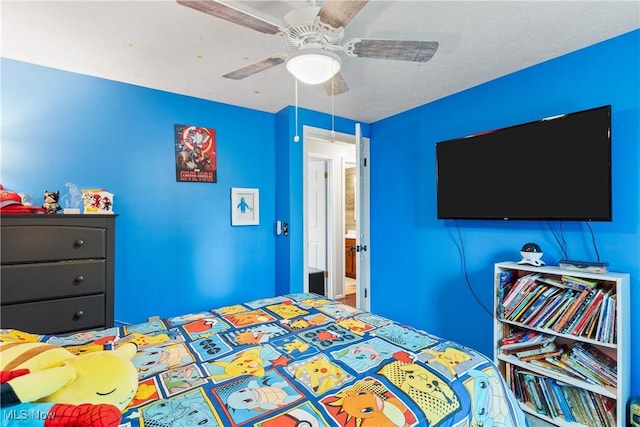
pixel 316 30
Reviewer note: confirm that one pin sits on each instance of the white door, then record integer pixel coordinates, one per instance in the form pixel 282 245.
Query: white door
pixel 317 213
pixel 363 293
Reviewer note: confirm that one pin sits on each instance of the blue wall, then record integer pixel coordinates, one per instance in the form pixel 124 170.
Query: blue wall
pixel 176 250
pixel 422 255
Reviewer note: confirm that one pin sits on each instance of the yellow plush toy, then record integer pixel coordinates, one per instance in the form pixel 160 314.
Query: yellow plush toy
pixel 44 373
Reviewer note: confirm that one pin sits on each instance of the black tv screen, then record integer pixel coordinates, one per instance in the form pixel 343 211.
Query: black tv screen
pixel 556 168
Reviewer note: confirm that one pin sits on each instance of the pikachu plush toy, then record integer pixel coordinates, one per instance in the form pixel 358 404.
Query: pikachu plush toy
pixel 47 385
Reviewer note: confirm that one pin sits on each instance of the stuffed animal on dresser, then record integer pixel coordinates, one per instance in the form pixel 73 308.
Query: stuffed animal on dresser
pixel 51 205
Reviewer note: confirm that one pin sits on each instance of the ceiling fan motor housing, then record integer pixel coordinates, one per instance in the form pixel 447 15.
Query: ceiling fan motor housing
pixel 305 28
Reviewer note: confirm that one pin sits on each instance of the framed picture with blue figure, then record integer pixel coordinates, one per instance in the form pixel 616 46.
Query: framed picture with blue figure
pixel 245 206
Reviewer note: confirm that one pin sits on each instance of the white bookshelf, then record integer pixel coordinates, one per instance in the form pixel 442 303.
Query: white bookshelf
pixel 618 284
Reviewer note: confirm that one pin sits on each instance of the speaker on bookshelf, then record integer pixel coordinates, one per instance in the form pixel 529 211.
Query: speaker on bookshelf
pixel 531 254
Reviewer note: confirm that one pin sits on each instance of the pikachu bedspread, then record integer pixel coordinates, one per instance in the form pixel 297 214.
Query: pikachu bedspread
pixel 302 360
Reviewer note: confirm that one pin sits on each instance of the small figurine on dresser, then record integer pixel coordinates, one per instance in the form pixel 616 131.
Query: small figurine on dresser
pixel 51 205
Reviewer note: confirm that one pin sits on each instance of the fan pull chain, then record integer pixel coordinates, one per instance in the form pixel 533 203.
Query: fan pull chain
pixel 333 118
pixel 297 137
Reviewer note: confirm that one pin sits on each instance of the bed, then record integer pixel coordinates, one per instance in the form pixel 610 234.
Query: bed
pixel 300 360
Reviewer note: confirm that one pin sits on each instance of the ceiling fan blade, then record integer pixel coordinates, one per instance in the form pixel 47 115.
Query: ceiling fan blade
pixel 256 67
pixel 338 13
pixel 403 50
pixel 336 84
pixel 231 14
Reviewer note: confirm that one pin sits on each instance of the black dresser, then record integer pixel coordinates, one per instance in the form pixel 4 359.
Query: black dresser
pixel 57 272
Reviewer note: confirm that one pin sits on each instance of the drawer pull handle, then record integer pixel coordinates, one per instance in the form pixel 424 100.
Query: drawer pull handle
pixel 78 314
pixel 78 243
pixel 79 279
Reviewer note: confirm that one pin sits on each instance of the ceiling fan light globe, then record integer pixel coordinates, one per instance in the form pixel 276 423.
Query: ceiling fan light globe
pixel 313 66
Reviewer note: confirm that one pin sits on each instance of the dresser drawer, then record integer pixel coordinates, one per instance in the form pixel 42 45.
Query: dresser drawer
pixel 30 282
pixel 28 243
pixel 56 316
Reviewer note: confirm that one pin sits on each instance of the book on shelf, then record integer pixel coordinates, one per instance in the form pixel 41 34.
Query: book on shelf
pixel 535 393
pixel 601 365
pixel 549 401
pixel 542 348
pixel 565 368
pixel 546 310
pixel 538 305
pixel 581 372
pixel 504 280
pixel 611 322
pixel 517 337
pixel 596 407
pixel 517 287
pixel 517 292
pixel 590 408
pixel 571 308
pixel 584 318
pixel 526 302
pixel 561 399
pixel 520 299
pixel 579 312
pixel 567 399
pixel 552 281
pixel 579 412
pixel 523 341
pixel 605 330
pixel 555 315
pixel 544 363
pixel 604 405
pixel 556 352
pixel 550 308
pixel 595 355
pixel 578 283
pixel 591 327
pixel 557 399
pixel 600 323
pixel 516 384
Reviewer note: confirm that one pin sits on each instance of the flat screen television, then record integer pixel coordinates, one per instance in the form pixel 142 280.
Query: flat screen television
pixel 555 169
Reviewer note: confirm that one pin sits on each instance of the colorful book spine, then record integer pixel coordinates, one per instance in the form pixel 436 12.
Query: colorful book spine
pixel 524 286
pixel 566 300
pixel 538 304
pixel 516 290
pixel 548 308
pixel 532 296
pixel 561 399
pixel 579 312
pixel 571 308
pixel 591 307
pixel 578 283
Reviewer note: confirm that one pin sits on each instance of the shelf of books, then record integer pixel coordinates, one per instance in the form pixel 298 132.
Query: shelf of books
pixel 561 340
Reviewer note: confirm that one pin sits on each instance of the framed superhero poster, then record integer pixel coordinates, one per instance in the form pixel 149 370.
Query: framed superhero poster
pixel 195 149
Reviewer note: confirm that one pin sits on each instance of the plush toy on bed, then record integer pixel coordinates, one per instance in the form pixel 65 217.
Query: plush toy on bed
pixel 46 385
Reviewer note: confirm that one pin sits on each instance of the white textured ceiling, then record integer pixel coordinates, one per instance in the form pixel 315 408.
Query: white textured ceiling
pixel 166 46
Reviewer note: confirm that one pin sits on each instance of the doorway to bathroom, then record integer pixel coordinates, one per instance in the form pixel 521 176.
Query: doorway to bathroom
pixel 343 258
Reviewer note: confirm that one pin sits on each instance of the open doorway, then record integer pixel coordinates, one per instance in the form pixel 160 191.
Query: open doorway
pixel 339 155
pixel 350 230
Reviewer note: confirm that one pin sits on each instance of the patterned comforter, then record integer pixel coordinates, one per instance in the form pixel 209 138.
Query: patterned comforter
pixel 302 360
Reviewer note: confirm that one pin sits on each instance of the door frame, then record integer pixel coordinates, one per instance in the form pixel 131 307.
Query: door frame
pixel 335 251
